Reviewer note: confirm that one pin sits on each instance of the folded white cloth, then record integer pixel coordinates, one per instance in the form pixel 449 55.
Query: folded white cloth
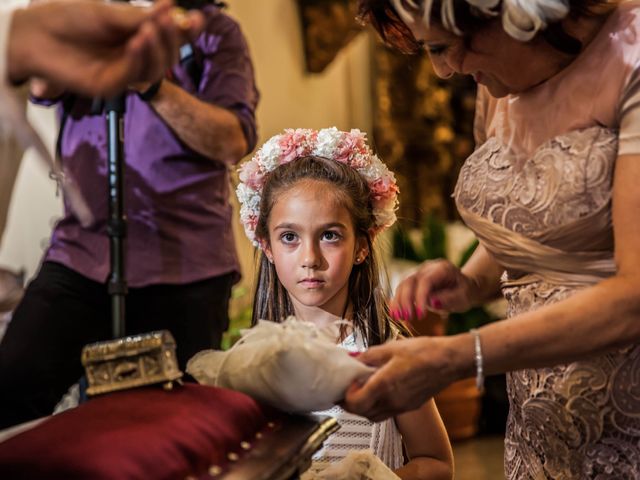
pixel 357 465
pixel 293 365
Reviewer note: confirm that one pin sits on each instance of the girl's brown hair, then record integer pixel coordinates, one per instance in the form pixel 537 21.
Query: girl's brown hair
pixel 271 300
pixel 393 31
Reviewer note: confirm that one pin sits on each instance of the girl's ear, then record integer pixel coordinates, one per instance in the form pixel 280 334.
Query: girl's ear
pixel 362 250
pixel 266 250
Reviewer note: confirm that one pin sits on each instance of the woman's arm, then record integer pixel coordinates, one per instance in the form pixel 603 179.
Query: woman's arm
pixel 595 320
pixel 427 445
pixel 484 273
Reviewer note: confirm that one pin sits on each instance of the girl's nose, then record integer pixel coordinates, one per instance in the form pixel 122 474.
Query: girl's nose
pixel 311 257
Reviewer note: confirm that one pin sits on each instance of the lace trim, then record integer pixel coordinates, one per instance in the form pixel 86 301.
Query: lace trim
pixel 567 178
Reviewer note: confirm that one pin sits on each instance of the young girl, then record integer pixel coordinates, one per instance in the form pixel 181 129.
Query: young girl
pixel 313 201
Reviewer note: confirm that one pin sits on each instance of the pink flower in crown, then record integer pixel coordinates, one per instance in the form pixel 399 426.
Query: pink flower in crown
pixel 387 204
pixel 384 187
pixel 251 174
pixel 295 144
pixel 359 160
pixel 250 223
pixel 352 146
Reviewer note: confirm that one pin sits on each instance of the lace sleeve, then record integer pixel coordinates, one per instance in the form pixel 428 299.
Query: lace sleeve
pixel 630 116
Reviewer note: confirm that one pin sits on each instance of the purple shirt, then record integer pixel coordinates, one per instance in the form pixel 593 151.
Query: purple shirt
pixel 176 201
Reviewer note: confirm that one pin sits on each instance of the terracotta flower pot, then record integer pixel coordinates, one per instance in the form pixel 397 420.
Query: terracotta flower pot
pixel 459 405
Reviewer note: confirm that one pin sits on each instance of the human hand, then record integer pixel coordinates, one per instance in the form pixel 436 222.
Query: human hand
pixel 410 371
pixel 41 88
pixel 140 87
pixel 95 48
pixel 436 285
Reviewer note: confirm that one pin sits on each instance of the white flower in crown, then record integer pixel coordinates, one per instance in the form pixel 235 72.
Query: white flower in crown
pixel 327 141
pixel 248 197
pixel 269 155
pixel 349 148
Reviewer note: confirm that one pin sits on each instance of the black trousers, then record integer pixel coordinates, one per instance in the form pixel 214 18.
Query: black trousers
pixel 62 311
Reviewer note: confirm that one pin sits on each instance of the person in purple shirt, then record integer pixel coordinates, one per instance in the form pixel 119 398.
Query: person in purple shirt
pixel 180 140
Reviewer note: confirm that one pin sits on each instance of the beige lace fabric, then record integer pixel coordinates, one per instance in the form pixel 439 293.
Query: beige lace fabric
pixel 537 192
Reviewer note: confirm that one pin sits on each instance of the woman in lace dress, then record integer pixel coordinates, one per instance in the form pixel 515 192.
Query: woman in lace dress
pixel 551 192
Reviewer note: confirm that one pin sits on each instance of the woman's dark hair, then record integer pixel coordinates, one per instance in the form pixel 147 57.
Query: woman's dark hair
pixel 271 300
pixel 386 21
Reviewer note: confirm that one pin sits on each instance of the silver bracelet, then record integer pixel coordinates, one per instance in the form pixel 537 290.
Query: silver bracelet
pixel 478 358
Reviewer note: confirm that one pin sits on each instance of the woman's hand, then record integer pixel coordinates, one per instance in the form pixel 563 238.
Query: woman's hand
pixel 410 372
pixel 437 285
pixel 440 285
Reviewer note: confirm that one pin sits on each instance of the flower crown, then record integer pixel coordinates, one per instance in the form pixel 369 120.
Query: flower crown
pixel 349 148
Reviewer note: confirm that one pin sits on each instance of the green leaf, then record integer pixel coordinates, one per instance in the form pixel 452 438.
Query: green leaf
pixel 434 238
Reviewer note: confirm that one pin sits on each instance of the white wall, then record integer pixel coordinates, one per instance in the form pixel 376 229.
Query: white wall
pixel 339 97
pixel 34 204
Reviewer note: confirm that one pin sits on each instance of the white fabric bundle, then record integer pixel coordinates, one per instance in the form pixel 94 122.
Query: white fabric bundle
pixel 293 365
pixel 363 465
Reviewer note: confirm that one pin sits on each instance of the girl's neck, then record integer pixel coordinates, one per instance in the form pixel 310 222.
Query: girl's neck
pixel 322 318
pixel 318 316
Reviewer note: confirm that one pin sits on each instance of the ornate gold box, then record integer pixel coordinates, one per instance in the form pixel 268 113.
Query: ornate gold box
pixel 129 362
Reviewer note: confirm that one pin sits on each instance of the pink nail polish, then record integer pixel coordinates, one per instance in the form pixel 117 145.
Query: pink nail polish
pixel 435 303
pixel 419 312
pixel 354 354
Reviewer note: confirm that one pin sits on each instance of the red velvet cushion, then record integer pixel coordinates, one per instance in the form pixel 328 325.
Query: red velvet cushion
pixel 138 434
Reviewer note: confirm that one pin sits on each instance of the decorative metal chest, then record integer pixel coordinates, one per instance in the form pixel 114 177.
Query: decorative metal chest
pixel 129 362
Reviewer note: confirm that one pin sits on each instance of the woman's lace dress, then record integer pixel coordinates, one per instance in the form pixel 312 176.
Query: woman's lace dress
pixel 537 192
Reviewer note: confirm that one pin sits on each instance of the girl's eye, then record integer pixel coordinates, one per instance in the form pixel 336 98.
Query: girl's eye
pixel 288 237
pixel 330 236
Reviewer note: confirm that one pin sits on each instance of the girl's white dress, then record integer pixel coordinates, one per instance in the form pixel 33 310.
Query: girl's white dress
pixel 358 433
